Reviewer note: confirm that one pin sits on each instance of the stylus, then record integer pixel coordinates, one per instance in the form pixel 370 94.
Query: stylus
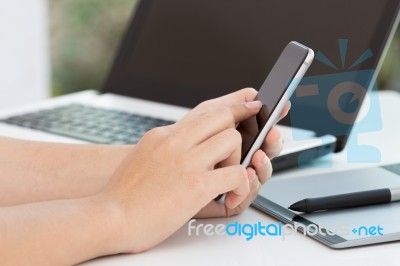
pixel 348 200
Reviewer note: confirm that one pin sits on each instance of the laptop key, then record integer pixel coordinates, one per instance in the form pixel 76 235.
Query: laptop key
pixel 78 135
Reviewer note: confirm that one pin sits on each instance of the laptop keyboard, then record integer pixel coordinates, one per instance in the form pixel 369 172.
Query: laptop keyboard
pixel 92 124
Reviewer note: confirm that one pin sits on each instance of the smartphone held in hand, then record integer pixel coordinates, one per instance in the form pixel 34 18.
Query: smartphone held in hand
pixel 276 90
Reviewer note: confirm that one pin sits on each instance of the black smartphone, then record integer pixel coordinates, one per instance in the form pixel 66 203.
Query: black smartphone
pixel 276 90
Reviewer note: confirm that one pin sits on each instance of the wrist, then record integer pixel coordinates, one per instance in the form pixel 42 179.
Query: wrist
pixel 108 217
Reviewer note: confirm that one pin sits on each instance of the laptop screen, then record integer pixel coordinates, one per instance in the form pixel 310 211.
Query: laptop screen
pixel 183 52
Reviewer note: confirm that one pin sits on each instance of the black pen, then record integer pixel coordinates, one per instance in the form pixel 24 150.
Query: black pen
pixel 348 200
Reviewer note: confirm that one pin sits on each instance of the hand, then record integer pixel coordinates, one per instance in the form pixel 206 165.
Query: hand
pixel 261 169
pixel 170 175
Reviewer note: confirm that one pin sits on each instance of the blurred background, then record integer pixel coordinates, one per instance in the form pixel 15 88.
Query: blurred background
pixel 82 37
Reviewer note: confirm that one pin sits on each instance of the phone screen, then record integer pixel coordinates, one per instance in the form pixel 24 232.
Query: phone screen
pixel 271 92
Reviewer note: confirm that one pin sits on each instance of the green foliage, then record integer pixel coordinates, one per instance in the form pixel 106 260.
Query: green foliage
pixel 84 36
pixel 389 77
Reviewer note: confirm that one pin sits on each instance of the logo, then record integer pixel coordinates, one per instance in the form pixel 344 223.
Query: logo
pixel 368 231
pixel 331 104
pixel 277 230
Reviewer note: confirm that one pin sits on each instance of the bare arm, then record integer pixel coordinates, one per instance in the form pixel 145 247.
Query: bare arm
pixel 60 232
pixel 38 171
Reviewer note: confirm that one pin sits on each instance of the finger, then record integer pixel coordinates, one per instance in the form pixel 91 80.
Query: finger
pixel 262 166
pixel 223 148
pixel 232 180
pixel 243 95
pixel 285 111
pixel 255 186
pixel 213 209
pixel 216 210
pixel 198 129
pixel 273 143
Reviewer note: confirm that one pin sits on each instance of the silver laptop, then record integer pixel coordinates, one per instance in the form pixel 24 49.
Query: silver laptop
pixel 176 54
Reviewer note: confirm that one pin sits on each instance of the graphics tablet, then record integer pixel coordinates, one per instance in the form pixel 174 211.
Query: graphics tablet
pixel 340 228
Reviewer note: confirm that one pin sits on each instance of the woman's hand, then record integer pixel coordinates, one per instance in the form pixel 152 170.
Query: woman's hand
pixel 171 175
pixel 261 169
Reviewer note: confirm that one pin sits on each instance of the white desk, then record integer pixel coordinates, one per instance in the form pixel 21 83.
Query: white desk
pixel 181 249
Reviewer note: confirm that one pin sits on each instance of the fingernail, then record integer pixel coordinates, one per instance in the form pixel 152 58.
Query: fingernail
pixel 253 105
pixel 252 177
pixel 266 160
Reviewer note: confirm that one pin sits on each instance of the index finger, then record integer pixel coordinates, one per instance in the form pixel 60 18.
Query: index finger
pixel 240 96
pixel 203 126
pixel 243 95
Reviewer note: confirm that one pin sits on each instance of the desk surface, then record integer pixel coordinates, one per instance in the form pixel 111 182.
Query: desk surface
pixel 182 249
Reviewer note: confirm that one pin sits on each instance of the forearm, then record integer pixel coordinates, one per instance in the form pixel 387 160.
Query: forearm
pixel 37 171
pixel 61 232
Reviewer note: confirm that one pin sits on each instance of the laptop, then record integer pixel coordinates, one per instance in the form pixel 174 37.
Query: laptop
pixel 176 54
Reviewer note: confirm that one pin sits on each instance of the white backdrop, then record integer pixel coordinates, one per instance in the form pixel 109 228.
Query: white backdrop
pixel 24 53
